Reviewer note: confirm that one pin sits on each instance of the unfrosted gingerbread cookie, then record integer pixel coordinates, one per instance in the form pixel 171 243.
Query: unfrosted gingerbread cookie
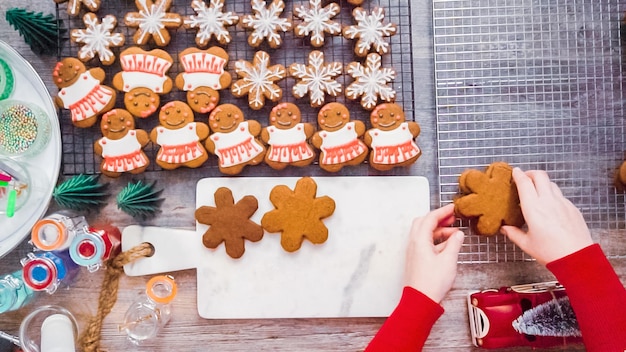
pixel 210 22
pixel 620 177
pixel 317 21
pixel 338 138
pixel 97 38
pixel 234 140
pixel 121 146
pixel 489 197
pixel 143 79
pixel 392 138
pixel 74 6
pixel 298 214
pixel 179 137
pixel 258 80
pixel 287 138
pixel 369 31
pixel 229 222
pixel 152 21
pixel 81 91
pixel 370 82
pixel 266 23
pixel 316 79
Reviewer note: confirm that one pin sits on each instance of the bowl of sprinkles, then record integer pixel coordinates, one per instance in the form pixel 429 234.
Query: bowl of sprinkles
pixel 24 128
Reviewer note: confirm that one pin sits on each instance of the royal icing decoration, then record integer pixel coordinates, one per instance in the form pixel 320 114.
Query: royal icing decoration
pixel 236 147
pixel 86 97
pixel 316 79
pixel 144 70
pixel 97 38
pixel 202 69
pixel 210 21
pixel 288 146
pixel 124 154
pixel 393 147
pixel 342 145
pixel 370 82
pixel 369 31
pixel 266 22
pixel 258 80
pixel 179 146
pixel 152 20
pixel 73 6
pixel 317 20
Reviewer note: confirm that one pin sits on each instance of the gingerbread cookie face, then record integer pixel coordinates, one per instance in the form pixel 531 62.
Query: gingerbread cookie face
pixel 234 140
pixel 266 23
pixel 229 222
pixel 97 38
pixel 152 21
pixel 338 138
pixel 287 138
pixel 258 80
pixel 74 6
pixel 298 214
pixel 370 82
pixel 490 197
pixel 317 21
pixel 81 91
pixel 391 138
pixel 210 22
pixel 179 137
pixel 121 146
pixel 316 79
pixel 369 31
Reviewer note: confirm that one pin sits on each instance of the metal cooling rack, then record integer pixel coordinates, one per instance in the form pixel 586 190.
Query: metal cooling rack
pixel 78 156
pixel 537 84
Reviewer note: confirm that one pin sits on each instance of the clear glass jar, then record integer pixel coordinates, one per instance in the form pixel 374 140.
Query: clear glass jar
pixel 92 247
pixel 14 293
pixel 46 271
pixel 24 128
pixel 56 231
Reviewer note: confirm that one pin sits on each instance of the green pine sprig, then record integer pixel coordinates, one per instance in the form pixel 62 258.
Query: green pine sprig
pixel 139 199
pixel 80 192
pixel 41 32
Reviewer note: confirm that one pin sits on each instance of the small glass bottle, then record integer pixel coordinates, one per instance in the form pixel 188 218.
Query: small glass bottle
pixel 46 271
pixel 146 316
pixel 95 245
pixel 55 232
pixel 14 293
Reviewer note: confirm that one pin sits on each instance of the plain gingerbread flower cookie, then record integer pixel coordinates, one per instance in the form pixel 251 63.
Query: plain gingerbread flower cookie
pixel 152 21
pixel 369 31
pixel 317 21
pixel 265 23
pixel 97 38
pixel 316 79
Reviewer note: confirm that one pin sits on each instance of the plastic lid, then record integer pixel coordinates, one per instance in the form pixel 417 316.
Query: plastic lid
pixel 48 234
pixel 87 249
pixel 39 273
pixel 161 289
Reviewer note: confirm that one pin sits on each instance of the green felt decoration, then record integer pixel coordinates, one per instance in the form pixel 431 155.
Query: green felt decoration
pixel 139 199
pixel 41 32
pixel 80 192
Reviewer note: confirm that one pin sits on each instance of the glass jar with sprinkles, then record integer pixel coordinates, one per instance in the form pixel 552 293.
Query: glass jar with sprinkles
pixel 24 128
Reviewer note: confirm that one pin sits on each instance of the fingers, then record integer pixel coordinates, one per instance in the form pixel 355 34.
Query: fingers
pixel 430 221
pixel 541 180
pixel 525 187
pixel 516 235
pixel 452 244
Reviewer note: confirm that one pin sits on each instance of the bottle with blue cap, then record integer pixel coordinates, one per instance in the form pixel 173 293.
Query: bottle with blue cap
pixel 46 271
pixel 14 294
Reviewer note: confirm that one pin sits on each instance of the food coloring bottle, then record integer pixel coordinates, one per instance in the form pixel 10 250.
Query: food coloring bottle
pixel 92 247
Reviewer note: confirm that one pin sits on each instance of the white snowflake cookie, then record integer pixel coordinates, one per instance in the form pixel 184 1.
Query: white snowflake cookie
pixel 97 38
pixel 370 82
pixel 369 31
pixel 316 21
pixel 153 21
pixel 316 79
pixel 265 23
pixel 258 80
pixel 210 22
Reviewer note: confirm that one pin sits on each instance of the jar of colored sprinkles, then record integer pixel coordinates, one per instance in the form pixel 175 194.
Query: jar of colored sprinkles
pixel 24 128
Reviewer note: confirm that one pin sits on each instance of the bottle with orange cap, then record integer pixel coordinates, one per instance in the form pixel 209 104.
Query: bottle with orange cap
pixel 149 314
pixel 93 246
pixel 56 231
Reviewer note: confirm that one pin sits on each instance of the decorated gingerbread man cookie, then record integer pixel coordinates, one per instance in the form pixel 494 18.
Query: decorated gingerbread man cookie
pixel 204 76
pixel 338 138
pixel 143 78
pixel 81 91
pixel 287 138
pixel 391 138
pixel 121 145
pixel 234 139
pixel 179 137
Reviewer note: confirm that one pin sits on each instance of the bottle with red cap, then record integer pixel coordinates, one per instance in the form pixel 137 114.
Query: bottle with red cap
pixel 93 246
pixel 46 271
pixel 56 231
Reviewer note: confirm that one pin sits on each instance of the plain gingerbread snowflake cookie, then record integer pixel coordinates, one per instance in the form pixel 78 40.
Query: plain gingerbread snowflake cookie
pixel 210 22
pixel 369 31
pixel 370 82
pixel 316 79
pixel 97 38
pixel 317 21
pixel 265 23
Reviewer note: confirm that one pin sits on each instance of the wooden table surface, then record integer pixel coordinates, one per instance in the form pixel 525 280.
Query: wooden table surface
pixel 188 332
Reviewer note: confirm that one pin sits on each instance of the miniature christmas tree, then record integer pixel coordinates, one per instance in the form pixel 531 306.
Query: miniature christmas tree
pixel 80 192
pixel 139 199
pixel 41 32
pixel 553 318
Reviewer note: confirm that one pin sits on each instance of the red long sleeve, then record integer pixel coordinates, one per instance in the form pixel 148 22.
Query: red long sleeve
pixel 407 328
pixel 597 296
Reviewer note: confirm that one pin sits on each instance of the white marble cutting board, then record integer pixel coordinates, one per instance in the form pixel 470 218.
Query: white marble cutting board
pixel 357 272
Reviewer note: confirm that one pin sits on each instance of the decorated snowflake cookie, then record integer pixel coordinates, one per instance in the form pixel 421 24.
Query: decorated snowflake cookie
pixel 258 80
pixel 152 20
pixel 97 38
pixel 369 31
pixel 265 23
pixel 317 20
pixel 210 21
pixel 370 82
pixel 73 6
pixel 316 79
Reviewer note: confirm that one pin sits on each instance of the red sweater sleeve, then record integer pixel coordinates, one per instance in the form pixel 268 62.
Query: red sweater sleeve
pixel 408 326
pixel 597 296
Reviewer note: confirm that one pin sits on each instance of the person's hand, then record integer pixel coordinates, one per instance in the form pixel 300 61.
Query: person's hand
pixel 432 253
pixel 556 228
